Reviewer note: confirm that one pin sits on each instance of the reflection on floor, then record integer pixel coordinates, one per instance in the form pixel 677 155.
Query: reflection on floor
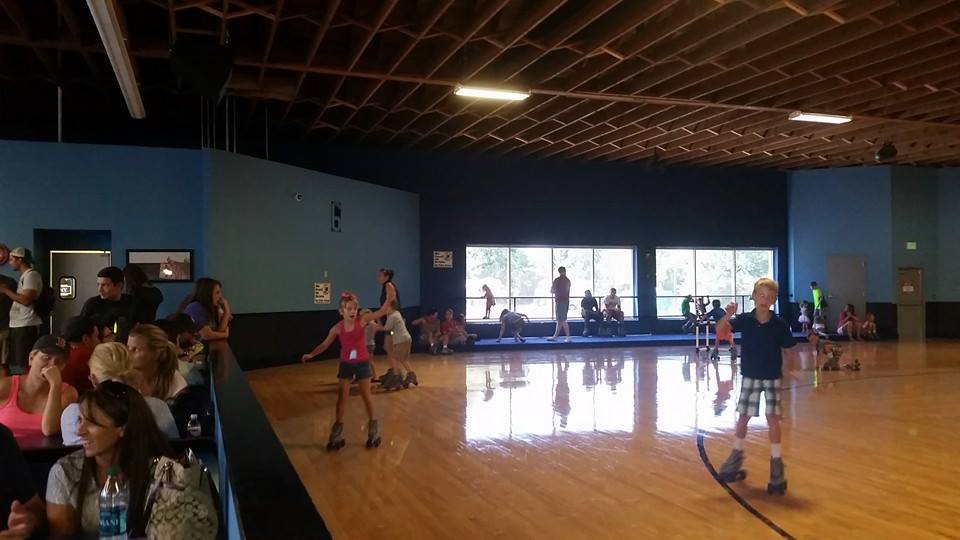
pixel 602 443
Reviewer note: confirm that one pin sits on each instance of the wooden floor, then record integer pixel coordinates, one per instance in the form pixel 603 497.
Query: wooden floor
pixel 603 443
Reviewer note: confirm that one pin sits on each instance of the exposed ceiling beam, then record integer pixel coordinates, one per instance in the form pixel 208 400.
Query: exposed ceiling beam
pixel 110 24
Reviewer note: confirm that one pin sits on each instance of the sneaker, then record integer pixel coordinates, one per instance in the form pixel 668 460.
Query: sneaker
pixel 553 338
pixel 568 340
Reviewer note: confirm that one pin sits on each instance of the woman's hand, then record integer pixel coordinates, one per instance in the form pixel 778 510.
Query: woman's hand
pixel 305 358
pixel 53 376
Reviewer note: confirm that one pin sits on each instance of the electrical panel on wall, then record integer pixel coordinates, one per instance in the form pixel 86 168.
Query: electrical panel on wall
pixel 335 216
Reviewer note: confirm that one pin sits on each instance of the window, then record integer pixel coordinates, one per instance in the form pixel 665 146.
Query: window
pixel 721 274
pixel 521 277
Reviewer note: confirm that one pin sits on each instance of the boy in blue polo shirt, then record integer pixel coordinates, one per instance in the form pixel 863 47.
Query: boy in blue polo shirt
pixel 763 336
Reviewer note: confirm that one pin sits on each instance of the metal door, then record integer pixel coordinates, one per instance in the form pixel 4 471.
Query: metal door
pixel 73 276
pixel 846 284
pixel 911 309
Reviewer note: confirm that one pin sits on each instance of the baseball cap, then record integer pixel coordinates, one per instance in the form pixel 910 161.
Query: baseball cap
pixel 52 345
pixel 75 328
pixel 18 252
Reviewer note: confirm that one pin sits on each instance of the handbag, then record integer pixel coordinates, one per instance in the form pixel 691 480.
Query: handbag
pixel 180 501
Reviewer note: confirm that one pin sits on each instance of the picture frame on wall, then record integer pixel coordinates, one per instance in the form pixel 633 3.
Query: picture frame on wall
pixel 164 265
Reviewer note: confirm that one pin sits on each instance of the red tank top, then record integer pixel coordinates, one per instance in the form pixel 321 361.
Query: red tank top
pixel 351 341
pixel 20 422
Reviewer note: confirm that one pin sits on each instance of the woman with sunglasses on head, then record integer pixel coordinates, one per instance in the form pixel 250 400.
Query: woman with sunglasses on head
pixel 110 362
pixel 31 404
pixel 117 429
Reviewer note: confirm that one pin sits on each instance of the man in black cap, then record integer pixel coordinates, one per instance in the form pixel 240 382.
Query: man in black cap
pixel 82 336
pixel 24 320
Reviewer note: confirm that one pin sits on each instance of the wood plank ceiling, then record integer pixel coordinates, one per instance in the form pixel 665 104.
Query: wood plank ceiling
pixel 705 82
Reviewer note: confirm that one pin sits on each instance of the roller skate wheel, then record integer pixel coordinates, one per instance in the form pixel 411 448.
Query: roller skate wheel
pixel 777 489
pixel 334 446
pixel 375 443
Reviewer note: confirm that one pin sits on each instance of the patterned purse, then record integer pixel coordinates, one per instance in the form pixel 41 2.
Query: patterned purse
pixel 181 501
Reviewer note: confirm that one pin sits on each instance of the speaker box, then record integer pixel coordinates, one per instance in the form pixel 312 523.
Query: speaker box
pixel 202 65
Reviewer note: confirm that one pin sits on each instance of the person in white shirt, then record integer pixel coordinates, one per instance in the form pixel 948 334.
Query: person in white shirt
pixel 611 307
pixel 24 321
pixel 399 351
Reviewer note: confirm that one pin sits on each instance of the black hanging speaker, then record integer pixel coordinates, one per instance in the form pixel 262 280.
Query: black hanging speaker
pixel 201 65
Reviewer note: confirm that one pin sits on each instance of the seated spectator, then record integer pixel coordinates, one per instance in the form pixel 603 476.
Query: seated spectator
pixel 105 333
pixel 689 317
pixel 155 357
pixel 448 330
pixel 429 328
pixel 21 509
pixel 31 404
pixel 869 328
pixel 146 297
pixel 183 333
pixel 118 430
pixel 716 313
pixel 512 323
pixel 611 307
pixel 455 334
pixel 589 309
pixel 819 326
pixel 111 362
pixel 82 336
pixel 849 324
pixel 209 309
pixel 110 307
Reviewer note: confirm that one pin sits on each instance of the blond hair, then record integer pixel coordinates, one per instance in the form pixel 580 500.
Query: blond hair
pixel 766 283
pixel 158 342
pixel 110 362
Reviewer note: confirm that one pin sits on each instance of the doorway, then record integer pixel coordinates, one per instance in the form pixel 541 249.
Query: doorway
pixel 846 284
pixel 73 276
pixel 911 310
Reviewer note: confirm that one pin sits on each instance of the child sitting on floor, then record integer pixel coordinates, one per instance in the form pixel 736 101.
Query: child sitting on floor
pixel 819 326
pixel 869 329
pixel 829 353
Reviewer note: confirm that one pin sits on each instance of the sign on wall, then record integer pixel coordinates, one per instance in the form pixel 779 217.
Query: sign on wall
pixel 321 293
pixel 443 259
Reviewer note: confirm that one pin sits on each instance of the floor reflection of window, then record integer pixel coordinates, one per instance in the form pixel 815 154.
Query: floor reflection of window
pixel 693 394
pixel 514 400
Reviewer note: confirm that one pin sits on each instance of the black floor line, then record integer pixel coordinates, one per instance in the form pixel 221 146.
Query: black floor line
pixel 736 496
pixel 743 502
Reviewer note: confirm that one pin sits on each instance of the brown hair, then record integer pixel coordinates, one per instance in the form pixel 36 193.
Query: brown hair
pixel 157 341
pixel 141 442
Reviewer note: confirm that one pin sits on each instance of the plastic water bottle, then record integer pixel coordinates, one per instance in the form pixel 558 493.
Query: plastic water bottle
pixel 193 426
pixel 114 498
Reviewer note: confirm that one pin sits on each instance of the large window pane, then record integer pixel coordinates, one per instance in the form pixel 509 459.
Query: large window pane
pixel 613 268
pixel 714 272
pixel 752 264
pixel 579 265
pixel 535 308
pixel 675 279
pixel 532 274
pixel 486 265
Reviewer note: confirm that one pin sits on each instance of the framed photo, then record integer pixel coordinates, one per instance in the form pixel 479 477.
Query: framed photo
pixel 164 265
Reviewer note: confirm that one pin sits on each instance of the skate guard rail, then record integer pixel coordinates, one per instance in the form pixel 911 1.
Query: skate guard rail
pixel 262 496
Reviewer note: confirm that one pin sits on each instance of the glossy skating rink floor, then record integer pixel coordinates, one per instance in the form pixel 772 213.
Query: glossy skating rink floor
pixel 620 443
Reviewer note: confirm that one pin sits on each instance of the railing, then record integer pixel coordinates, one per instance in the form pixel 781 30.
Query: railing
pixel 262 495
pixel 744 304
pixel 528 306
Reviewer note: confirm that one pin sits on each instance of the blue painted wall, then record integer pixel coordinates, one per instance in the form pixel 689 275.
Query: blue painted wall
pixel 915 214
pixel 147 197
pixel 948 201
pixel 840 212
pixel 268 249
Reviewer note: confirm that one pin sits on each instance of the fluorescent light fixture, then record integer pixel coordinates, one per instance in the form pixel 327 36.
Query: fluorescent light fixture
pixel 107 19
pixel 490 93
pixel 801 116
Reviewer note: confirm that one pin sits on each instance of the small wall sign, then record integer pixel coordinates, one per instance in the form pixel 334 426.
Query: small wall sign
pixel 321 293
pixel 443 259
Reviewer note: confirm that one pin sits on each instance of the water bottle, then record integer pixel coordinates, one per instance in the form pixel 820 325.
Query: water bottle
pixel 193 426
pixel 113 507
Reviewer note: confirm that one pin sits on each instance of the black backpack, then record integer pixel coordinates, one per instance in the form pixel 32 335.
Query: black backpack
pixel 43 303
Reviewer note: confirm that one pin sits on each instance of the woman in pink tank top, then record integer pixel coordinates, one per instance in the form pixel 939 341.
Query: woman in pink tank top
pixel 31 404
pixel 354 364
